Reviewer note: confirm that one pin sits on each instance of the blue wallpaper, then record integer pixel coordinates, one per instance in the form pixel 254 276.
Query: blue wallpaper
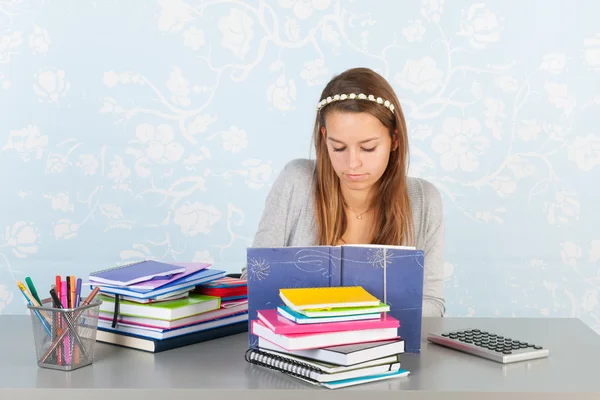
pixel 135 129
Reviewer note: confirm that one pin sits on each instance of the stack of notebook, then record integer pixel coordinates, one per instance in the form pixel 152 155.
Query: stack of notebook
pixel 330 336
pixel 155 306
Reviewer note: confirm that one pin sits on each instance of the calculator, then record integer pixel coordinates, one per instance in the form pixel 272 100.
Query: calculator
pixel 489 345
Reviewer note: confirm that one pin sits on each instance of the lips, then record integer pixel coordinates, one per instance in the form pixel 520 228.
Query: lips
pixel 355 177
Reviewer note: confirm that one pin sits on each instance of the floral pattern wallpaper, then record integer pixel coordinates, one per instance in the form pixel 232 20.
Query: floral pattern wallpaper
pixel 154 129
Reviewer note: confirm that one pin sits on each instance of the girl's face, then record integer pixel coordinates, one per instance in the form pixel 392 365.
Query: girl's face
pixel 359 147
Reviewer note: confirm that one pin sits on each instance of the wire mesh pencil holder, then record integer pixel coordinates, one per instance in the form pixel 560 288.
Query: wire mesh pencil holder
pixel 64 338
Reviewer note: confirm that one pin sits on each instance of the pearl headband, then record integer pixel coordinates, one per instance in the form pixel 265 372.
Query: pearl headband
pixel 353 96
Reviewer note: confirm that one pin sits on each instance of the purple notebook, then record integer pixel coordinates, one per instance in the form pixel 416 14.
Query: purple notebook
pixel 190 271
pixel 141 271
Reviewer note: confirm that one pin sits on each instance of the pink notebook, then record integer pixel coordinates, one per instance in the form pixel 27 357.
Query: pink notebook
pixel 301 341
pixel 283 326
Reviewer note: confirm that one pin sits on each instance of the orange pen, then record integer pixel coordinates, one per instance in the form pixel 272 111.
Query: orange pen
pixel 72 291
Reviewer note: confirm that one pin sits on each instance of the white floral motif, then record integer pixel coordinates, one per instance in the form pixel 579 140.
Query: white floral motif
pixel 88 163
pixel 504 185
pixel 529 130
pixel 585 152
pixel 159 144
pixel 204 257
pixel 22 238
pixel 7 44
pixel 60 201
pixel 595 251
pixel 39 40
pixel 28 142
pixel 460 144
pixel 314 72
pixel 304 8
pixel 281 93
pixel 291 29
pixel 554 63
pixel 111 78
pixel 564 207
pixel 57 163
pixel 507 83
pixel 480 26
pixel 237 32
pixel 193 38
pixel 118 173
pixel 51 85
pixel 414 32
pixel 235 139
pixel 174 15
pixel 494 113
pixel 139 252
pixel 592 52
pixel 196 218
pixel 558 94
pixel 200 124
pixel 111 210
pixel 570 252
pixel 432 10
pixel 65 229
pixel 179 87
pixel 420 75
pixel 258 173
pixel 6 297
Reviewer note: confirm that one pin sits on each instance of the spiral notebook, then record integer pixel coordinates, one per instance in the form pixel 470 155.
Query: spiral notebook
pixel 328 375
pixel 141 271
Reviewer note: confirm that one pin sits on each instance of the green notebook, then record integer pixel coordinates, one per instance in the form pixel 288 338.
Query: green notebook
pixel 336 312
pixel 169 310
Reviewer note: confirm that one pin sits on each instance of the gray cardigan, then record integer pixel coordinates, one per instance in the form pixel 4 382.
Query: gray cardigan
pixel 288 219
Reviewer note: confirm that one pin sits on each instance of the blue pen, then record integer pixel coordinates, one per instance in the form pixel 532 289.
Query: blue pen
pixel 42 319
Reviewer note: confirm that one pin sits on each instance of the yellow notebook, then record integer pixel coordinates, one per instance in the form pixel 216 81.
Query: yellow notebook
pixel 327 297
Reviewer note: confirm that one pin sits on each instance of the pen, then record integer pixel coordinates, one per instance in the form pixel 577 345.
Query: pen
pixel 72 292
pixel 55 295
pixel 58 286
pixel 32 289
pixel 75 289
pixel 87 301
pixel 65 302
pixel 78 292
pixel 57 283
pixel 72 288
pixel 32 302
pixel 55 298
pixel 58 304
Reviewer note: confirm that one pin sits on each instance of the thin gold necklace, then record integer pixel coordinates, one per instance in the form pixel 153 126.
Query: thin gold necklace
pixel 359 215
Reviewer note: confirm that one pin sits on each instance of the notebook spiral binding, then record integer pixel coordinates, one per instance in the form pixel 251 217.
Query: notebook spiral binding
pixel 281 364
pixel 117 267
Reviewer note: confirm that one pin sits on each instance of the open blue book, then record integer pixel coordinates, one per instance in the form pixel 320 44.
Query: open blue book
pixel 394 274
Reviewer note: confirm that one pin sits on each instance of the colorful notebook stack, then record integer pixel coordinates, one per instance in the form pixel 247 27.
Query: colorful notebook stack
pixel 156 306
pixel 330 336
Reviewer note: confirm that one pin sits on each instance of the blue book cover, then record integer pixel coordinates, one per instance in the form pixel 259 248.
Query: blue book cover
pixel 393 274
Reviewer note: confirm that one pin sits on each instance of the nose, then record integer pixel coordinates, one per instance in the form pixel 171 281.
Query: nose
pixel 354 159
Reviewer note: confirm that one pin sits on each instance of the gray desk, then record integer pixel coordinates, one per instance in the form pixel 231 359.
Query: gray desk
pixel 217 369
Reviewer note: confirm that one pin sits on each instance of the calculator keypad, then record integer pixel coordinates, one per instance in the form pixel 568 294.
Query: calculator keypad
pixel 490 341
pixel 489 345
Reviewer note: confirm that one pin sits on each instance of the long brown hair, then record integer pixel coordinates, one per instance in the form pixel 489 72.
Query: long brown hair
pixel 393 217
